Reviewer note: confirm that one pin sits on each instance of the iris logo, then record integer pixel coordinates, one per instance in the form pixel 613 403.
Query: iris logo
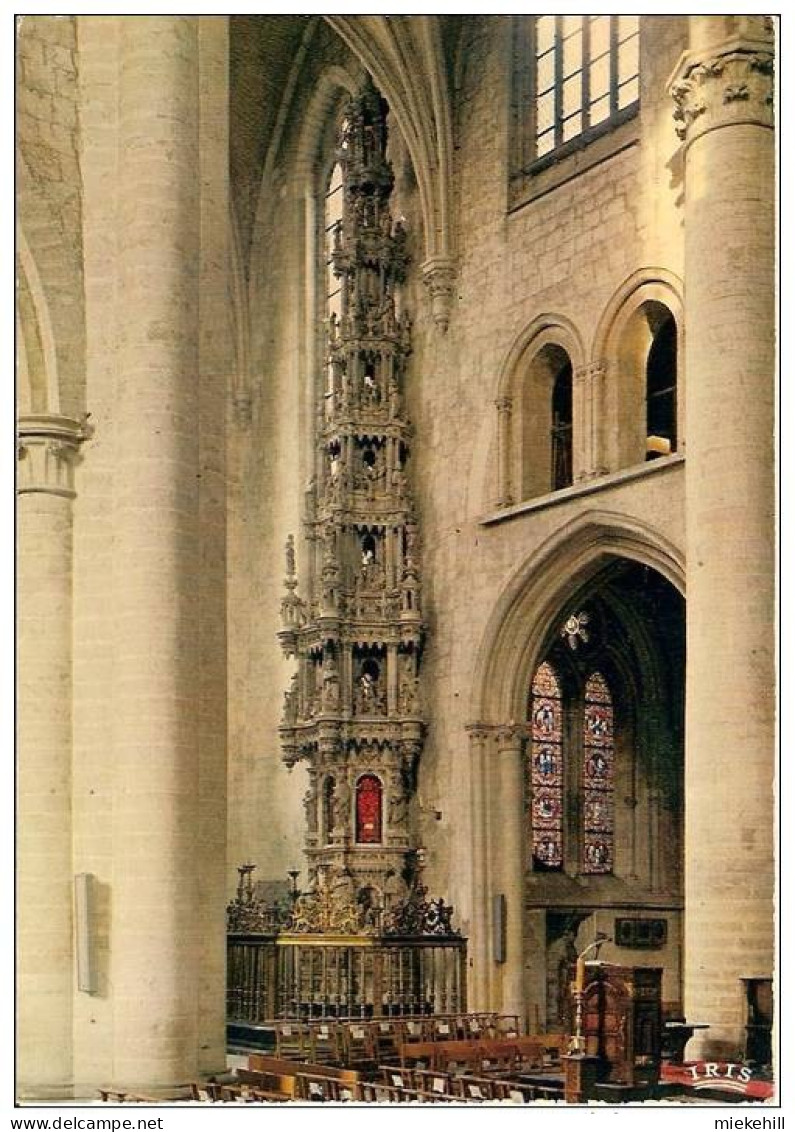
pixel 721 1075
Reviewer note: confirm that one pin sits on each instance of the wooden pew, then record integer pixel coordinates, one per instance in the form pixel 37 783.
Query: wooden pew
pixel 292 1040
pixel 325 1043
pixel 292 1079
pixel 359 1044
pixel 532 1051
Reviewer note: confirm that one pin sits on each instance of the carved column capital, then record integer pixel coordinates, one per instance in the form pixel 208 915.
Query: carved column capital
pixel 48 446
pixel 585 374
pixel 438 274
pixel 504 405
pixel 729 84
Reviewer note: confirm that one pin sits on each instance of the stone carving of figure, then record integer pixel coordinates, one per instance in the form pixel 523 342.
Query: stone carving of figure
pixel 409 695
pixel 368 564
pixel 291 700
pixel 341 807
pixel 397 810
pixel 386 222
pixel 331 683
pixel 394 399
pixel 367 693
pixel 342 887
pixel 333 327
pixel 310 807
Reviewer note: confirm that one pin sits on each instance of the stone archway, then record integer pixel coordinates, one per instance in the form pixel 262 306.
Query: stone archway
pixel 594 559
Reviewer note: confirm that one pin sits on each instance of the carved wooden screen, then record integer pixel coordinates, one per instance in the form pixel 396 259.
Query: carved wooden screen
pixel 546 770
pixel 368 810
pixel 598 777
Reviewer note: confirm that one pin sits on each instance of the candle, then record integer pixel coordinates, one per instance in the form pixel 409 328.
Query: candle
pixel 579 981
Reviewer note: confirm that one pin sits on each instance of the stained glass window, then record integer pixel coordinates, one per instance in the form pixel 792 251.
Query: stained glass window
pixel 368 810
pixel 586 74
pixel 597 777
pixel 546 770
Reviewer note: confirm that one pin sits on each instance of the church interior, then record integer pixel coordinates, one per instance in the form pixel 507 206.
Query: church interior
pixel 395 557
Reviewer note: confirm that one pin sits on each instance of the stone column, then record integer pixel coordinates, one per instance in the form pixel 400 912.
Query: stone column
pixel 155 928
pixel 723 94
pixel 588 422
pixel 509 848
pixel 504 487
pixel 48 446
pixel 477 997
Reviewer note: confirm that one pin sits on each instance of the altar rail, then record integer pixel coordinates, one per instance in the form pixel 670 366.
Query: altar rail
pixel 335 976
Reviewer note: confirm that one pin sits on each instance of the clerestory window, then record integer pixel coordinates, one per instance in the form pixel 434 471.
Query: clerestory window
pixel 585 78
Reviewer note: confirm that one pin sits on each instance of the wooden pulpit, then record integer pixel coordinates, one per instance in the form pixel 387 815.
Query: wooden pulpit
pixel 622 1022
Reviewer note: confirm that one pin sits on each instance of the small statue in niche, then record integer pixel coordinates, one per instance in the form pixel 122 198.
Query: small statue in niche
pixel 386 316
pixel 371 392
pixel 310 807
pixel 333 328
pixel 411 548
pixel 386 223
pixel 341 807
pixel 394 399
pixel 368 691
pixel 409 695
pixel 368 565
pixel 331 684
pixel 397 810
pixel 404 331
pixel 290 713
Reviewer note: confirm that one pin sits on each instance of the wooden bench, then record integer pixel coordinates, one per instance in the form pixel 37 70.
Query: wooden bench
pixel 531 1051
pixel 293 1079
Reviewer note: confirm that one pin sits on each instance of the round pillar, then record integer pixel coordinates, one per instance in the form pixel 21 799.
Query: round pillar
pixel 48 446
pixel 723 93
pixel 155 970
pixel 478 996
pixel 509 851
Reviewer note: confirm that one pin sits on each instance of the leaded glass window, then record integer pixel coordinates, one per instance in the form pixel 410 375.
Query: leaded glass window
pixel 586 76
pixel 333 224
pixel 597 777
pixel 546 770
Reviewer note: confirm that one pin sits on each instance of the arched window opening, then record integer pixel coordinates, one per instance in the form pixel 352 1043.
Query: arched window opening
pixel 369 806
pixel 598 777
pixel 333 226
pixel 546 771
pixel 561 433
pixel 545 424
pixel 661 369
